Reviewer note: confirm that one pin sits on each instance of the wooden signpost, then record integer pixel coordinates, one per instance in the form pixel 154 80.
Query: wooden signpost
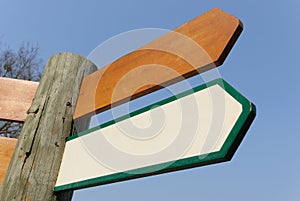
pixel 195 47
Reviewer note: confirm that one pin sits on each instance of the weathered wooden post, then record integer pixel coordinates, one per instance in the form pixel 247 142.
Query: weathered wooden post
pixel 35 164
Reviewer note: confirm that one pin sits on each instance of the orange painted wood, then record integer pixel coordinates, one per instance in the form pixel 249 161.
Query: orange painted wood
pixel 15 98
pixel 7 147
pixel 197 46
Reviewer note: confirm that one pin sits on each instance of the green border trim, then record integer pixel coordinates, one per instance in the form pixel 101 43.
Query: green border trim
pixel 227 151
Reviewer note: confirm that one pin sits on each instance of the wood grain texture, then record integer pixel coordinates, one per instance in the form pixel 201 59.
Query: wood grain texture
pixel 15 98
pixel 197 46
pixel 7 147
pixel 35 164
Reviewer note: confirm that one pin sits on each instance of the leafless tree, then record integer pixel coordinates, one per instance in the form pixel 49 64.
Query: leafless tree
pixel 23 63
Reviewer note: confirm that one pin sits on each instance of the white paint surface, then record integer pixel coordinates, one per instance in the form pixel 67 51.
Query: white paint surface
pixel 194 125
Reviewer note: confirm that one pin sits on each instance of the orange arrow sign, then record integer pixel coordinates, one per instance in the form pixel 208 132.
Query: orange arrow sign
pixel 197 46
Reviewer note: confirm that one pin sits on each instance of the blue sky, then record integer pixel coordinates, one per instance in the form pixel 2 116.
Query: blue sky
pixel 263 66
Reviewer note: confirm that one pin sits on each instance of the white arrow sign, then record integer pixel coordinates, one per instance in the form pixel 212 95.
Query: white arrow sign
pixel 195 128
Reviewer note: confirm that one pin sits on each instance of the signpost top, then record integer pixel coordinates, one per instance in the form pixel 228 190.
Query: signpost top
pixel 197 46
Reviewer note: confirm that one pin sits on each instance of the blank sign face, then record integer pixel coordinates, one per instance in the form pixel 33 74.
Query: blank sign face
pixel 198 127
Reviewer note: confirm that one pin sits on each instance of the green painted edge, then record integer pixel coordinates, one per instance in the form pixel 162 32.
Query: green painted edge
pixel 225 154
